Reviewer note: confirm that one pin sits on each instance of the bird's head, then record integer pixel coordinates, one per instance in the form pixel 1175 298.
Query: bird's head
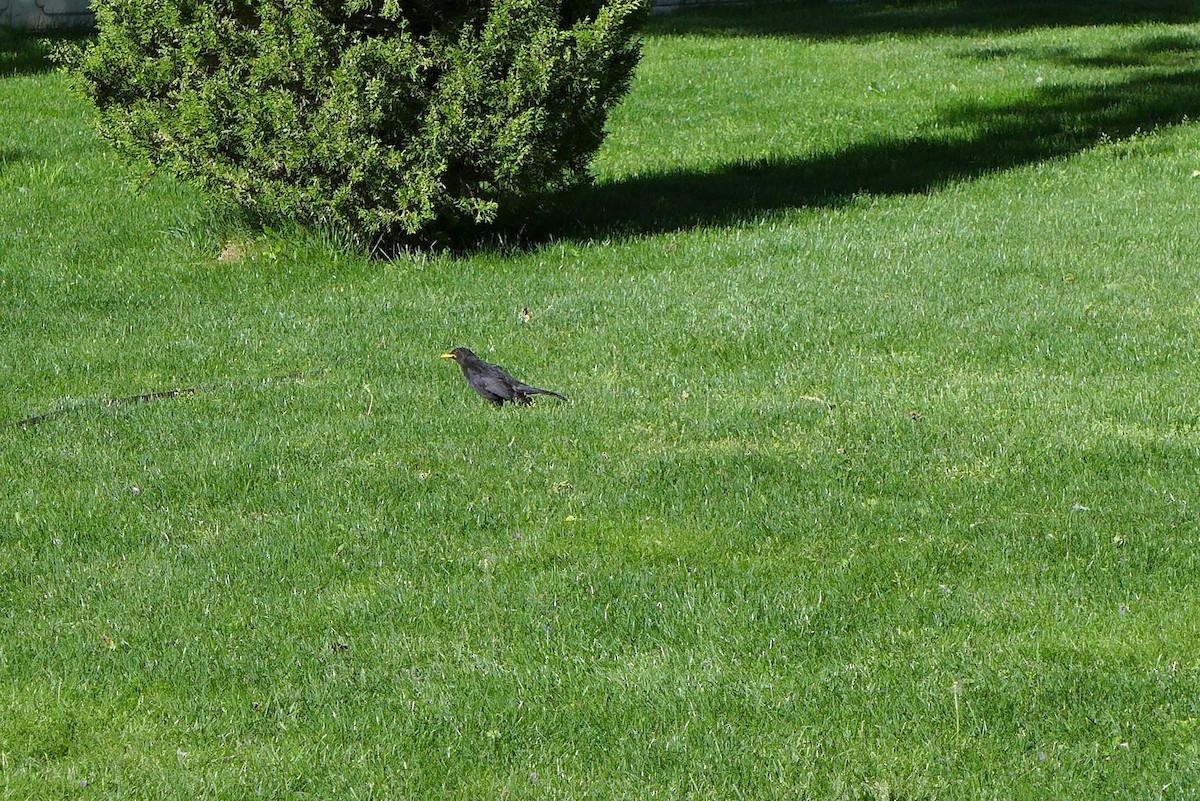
pixel 457 354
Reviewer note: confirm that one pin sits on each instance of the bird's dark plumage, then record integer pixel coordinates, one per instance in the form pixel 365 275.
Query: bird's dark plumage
pixel 490 381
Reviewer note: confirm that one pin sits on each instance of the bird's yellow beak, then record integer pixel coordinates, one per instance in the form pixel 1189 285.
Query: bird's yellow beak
pixel 449 356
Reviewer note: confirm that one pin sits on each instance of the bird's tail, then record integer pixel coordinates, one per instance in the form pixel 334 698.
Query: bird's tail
pixel 528 390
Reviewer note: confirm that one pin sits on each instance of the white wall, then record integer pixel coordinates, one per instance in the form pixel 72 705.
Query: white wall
pixel 35 14
pixel 667 6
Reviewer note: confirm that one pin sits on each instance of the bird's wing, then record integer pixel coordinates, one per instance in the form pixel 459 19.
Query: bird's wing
pixel 497 382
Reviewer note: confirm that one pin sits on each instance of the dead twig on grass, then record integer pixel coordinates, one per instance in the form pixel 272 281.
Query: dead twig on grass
pixel 166 394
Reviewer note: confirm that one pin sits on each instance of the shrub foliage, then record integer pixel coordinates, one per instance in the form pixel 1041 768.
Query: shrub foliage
pixel 388 119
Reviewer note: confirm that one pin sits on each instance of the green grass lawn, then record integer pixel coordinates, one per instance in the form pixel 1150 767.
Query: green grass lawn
pixel 880 477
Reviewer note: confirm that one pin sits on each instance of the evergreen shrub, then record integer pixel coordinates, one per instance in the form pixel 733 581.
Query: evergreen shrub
pixel 390 120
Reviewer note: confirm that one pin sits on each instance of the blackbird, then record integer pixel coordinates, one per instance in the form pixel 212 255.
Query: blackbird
pixel 490 381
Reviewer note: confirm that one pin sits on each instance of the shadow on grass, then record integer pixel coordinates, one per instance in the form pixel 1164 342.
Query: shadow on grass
pixel 966 142
pixel 1160 51
pixel 819 19
pixel 8 157
pixel 23 53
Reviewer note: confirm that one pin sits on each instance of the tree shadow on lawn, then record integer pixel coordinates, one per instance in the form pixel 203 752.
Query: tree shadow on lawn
pixel 29 53
pixel 966 142
pixel 822 19
pixel 1163 51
